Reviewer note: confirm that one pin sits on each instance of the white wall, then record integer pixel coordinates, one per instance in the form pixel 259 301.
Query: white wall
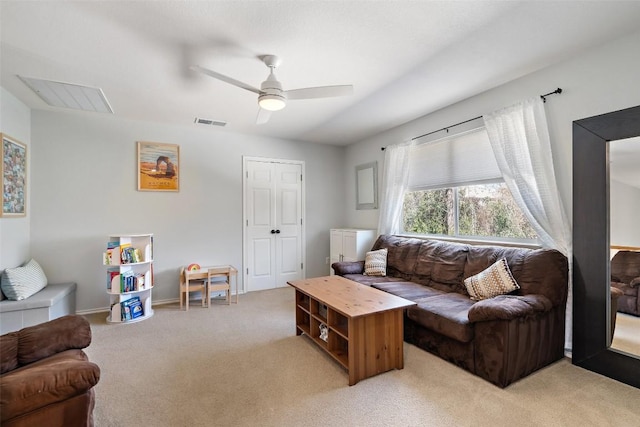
pixel 15 121
pixel 598 81
pixel 84 187
pixel 624 207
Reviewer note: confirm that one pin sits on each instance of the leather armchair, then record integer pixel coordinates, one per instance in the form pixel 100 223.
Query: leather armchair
pixel 625 276
pixel 45 377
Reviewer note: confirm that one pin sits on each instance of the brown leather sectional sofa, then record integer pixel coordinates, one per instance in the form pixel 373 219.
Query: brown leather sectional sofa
pixel 45 377
pixel 501 339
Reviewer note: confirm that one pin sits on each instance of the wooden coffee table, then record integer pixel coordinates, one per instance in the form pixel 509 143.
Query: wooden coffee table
pixel 360 327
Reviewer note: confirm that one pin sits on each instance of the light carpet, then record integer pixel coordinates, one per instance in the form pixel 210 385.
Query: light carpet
pixel 243 365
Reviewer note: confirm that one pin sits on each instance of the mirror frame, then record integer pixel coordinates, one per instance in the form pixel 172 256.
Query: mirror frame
pixel 591 267
pixel 362 204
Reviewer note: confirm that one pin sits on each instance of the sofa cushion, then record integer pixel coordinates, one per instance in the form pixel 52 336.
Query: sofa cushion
pixel 370 280
pixel 375 263
pixel 43 340
pixel 441 265
pixel 45 382
pixel 446 314
pixel 625 289
pixel 21 282
pixel 407 290
pixel 625 266
pixel 402 255
pixel 8 352
pixel 348 267
pixel 508 307
pixel 495 280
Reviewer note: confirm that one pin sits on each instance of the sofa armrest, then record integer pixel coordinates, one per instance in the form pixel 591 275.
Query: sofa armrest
pixel 508 307
pixel 46 382
pixel 348 267
pixel 48 338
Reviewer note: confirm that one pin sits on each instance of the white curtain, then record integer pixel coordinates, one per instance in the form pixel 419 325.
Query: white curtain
pixel 520 141
pixel 395 177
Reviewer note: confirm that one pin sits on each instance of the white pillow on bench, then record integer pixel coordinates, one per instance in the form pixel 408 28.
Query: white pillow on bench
pixel 21 282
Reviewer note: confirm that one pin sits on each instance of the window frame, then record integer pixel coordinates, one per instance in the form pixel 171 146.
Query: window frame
pixel 457 237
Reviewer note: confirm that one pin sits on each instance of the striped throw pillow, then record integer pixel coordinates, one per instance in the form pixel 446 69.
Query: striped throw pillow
pixel 493 281
pixel 22 282
pixel 375 263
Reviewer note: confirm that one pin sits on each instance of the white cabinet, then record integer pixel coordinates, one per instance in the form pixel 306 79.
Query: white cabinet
pixel 350 244
pixel 129 278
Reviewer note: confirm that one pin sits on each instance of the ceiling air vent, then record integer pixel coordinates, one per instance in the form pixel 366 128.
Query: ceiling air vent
pixel 68 95
pixel 209 122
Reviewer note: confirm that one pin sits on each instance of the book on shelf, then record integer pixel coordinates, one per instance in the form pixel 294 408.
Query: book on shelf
pixel 137 310
pixel 138 281
pixel 130 281
pixel 130 255
pixel 126 281
pixel 111 273
pixel 131 309
pixel 124 251
pixel 112 255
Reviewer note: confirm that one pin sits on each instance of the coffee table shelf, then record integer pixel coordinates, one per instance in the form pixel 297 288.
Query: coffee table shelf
pixel 364 325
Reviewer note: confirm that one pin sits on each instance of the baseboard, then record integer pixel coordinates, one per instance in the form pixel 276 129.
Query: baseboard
pixel 155 302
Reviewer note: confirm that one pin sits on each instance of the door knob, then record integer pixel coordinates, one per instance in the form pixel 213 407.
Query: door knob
pixel 273 231
pixel 277 231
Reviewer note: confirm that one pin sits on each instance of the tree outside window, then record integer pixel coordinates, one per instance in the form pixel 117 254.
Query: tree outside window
pixel 485 210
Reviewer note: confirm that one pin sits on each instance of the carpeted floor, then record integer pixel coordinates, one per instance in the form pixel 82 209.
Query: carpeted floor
pixel 243 365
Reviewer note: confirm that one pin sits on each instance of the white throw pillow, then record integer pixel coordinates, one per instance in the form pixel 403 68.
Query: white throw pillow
pixel 375 263
pixel 493 281
pixel 22 282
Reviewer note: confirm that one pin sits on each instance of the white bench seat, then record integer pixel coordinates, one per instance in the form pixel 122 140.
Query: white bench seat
pixel 53 301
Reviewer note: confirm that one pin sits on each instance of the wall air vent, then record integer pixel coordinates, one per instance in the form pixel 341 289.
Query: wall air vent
pixel 209 122
pixel 68 95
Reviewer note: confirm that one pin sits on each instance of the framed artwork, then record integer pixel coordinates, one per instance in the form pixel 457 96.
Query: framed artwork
pixel 14 177
pixel 158 166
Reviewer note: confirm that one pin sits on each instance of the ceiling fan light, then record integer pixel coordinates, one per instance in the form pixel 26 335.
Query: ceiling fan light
pixel 271 102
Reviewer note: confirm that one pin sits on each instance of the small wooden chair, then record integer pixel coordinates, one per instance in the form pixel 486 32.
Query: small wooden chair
pixel 194 286
pixel 217 286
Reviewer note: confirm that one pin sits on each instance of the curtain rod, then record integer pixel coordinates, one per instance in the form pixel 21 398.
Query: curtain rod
pixel 544 99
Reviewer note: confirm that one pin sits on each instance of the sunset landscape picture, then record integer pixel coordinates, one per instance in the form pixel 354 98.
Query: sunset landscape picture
pixel 158 166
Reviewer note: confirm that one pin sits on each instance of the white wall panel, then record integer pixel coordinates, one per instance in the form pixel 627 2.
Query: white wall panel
pixel 90 161
pixel 598 81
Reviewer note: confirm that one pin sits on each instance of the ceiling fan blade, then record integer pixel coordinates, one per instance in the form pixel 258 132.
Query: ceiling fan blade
pixel 226 79
pixel 319 92
pixel 263 116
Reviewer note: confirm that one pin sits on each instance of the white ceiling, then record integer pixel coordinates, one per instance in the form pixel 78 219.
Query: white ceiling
pixel 404 58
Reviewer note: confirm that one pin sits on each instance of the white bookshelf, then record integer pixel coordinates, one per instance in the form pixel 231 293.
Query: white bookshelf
pixel 118 267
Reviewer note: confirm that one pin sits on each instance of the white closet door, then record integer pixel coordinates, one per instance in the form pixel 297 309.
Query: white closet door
pixel 273 239
pixel 260 212
pixel 288 223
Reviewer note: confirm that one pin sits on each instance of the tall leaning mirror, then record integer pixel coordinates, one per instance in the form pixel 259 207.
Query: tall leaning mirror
pixel 595 314
pixel 624 236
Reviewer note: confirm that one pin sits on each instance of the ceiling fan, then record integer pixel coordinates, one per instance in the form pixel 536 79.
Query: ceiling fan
pixel 271 97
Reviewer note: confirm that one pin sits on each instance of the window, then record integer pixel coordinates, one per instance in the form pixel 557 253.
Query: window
pixel 484 210
pixel 456 189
